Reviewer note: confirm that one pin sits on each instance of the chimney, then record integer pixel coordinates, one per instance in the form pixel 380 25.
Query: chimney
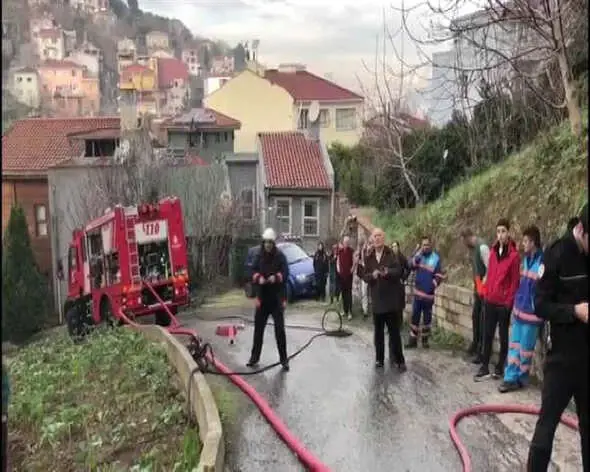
pixel 312 132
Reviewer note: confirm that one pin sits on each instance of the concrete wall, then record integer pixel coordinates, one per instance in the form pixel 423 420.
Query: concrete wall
pixel 218 143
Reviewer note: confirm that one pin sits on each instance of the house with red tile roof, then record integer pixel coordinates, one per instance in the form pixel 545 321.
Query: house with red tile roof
pixel 281 99
pixel 296 186
pixel 30 148
pixel 173 82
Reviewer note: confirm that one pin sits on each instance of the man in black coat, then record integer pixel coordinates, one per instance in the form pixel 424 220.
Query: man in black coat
pixel 562 300
pixel 270 273
pixel 383 272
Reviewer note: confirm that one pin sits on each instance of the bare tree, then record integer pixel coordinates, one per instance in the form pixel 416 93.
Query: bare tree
pixel 525 41
pixel 385 128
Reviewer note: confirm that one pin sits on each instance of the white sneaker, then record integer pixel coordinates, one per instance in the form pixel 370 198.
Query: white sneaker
pixel 349 317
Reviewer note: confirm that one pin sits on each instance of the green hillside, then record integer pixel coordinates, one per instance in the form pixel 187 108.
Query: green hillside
pixel 545 185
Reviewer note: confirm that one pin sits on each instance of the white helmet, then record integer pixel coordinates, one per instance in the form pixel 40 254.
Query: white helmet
pixel 269 235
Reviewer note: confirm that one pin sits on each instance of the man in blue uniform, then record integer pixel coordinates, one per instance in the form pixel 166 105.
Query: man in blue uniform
pixel 525 324
pixel 429 276
pixel 562 300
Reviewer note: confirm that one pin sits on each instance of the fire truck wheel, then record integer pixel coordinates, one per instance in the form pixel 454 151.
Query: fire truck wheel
pixel 162 318
pixel 106 313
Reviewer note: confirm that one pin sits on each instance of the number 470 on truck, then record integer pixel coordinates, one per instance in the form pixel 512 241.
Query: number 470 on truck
pixel 121 260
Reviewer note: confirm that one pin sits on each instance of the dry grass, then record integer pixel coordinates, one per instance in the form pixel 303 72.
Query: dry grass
pixel 106 404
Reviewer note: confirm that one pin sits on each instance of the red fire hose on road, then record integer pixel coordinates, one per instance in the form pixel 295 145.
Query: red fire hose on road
pixel 306 457
pixel 568 421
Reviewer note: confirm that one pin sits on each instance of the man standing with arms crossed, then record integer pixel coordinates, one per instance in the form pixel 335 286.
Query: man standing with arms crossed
pixel 480 256
pixel 562 300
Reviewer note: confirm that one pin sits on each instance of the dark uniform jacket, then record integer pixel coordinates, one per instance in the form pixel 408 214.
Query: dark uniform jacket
pixel 387 291
pixel 265 265
pixel 564 284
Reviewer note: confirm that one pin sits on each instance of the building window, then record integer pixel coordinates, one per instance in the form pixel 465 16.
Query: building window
pixel 217 137
pixel 247 203
pixel 324 118
pixel 345 118
pixel 283 215
pixel 303 120
pixel 40 220
pixel 225 136
pixel 311 217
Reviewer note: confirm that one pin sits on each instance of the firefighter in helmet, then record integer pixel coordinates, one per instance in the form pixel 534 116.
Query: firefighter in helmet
pixel 270 271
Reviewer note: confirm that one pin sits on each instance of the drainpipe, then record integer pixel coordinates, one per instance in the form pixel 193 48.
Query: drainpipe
pixel 55 232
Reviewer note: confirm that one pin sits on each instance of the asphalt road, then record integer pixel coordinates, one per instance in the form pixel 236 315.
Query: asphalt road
pixel 355 417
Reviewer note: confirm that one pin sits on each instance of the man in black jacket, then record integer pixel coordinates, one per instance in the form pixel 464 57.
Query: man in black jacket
pixel 562 300
pixel 270 275
pixel 383 272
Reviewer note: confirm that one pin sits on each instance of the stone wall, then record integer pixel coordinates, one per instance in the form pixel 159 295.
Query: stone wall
pixel 452 312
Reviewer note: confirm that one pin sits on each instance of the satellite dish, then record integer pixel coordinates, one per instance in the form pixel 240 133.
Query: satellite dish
pixel 314 111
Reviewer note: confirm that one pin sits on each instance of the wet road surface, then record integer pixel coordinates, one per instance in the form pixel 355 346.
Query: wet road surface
pixel 353 416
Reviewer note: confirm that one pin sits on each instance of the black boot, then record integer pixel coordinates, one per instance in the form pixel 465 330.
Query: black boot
pixel 252 363
pixel 425 342
pixel 285 365
pixel 412 342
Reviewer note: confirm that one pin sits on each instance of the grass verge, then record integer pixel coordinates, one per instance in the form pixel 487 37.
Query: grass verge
pixel 106 404
pixel 544 184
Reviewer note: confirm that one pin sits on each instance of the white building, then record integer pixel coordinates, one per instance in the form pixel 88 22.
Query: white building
pixel 458 73
pixel 50 44
pixel 211 84
pixel 25 87
pixel 191 58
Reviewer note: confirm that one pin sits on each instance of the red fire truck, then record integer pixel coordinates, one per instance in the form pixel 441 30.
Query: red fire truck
pixel 112 260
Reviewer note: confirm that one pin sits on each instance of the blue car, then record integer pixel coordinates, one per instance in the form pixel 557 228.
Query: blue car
pixel 301 282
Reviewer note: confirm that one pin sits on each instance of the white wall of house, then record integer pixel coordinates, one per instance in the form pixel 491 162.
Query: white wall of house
pixel 211 84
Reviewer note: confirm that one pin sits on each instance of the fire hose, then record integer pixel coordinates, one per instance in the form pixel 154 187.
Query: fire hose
pixel 203 355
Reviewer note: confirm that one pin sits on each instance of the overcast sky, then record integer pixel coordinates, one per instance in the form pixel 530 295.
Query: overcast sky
pixel 329 36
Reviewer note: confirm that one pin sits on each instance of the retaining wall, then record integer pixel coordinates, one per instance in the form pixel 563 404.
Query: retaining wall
pixel 204 408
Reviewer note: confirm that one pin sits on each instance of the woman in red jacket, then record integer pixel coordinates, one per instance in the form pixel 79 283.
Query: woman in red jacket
pixel 501 284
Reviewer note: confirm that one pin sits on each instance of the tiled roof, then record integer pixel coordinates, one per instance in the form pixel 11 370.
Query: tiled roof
pixel 305 86
pixel 35 144
pixel 204 118
pixel 169 70
pixel 49 33
pixel 293 161
pixel 59 64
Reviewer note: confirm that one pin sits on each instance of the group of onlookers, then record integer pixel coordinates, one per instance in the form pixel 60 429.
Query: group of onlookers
pixel 545 289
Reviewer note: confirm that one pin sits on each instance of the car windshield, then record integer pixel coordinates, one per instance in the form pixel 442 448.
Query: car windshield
pixel 293 253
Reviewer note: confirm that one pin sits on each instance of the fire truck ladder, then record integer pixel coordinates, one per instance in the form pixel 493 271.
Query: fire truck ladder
pixel 132 248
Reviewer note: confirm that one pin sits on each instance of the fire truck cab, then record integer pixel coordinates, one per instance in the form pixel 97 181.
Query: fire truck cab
pixel 113 258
